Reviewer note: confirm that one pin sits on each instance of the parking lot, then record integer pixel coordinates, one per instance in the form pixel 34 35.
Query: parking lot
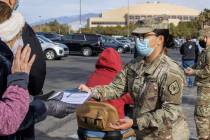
pixel 69 73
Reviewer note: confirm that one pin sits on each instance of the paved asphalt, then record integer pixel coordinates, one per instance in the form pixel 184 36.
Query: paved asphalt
pixel 73 70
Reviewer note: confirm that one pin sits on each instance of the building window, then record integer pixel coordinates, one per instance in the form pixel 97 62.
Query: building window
pixel 107 23
pixel 173 17
pixel 143 17
pixel 191 17
pixel 131 17
pixel 186 18
pixel 180 17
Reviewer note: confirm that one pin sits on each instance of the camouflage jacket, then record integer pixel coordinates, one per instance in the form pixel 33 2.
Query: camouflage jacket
pixel 202 70
pixel 156 89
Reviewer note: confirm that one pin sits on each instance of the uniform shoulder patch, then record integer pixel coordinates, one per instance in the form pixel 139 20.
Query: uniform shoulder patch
pixel 174 88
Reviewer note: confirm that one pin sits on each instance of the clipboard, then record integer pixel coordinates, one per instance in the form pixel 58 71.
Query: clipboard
pixel 73 96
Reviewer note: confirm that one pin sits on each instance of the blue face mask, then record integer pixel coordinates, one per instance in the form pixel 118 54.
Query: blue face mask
pixel 143 48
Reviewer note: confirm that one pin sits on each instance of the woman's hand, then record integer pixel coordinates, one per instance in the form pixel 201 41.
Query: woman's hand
pixel 189 71
pixel 84 88
pixel 22 61
pixel 123 124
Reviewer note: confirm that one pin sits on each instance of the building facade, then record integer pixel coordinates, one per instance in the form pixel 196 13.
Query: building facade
pixel 140 12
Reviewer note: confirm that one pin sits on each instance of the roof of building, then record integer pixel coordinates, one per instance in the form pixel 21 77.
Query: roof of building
pixel 151 9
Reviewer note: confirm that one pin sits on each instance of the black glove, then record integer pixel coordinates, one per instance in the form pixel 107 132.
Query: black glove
pixel 57 108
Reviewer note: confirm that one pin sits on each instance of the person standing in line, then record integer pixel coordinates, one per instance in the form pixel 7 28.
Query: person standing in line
pixel 15 101
pixel 11 38
pixel 202 73
pixel 189 51
pixel 156 86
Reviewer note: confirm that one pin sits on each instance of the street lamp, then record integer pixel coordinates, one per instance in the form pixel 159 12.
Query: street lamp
pixel 80 16
pixel 128 18
pixel 40 24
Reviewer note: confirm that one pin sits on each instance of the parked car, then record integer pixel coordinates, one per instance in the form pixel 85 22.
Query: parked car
pixel 110 42
pixel 51 49
pixel 85 44
pixel 52 36
pixel 127 41
pixel 178 42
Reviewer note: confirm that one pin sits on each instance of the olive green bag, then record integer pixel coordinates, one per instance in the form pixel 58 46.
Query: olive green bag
pixel 96 116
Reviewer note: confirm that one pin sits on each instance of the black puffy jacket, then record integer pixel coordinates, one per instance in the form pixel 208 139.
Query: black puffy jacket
pixel 6 58
pixel 36 78
pixel 38 70
pixel 189 51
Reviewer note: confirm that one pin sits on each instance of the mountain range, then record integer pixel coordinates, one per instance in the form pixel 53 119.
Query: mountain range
pixel 73 21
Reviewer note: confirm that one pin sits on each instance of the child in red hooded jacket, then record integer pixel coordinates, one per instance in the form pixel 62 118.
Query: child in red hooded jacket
pixel 109 64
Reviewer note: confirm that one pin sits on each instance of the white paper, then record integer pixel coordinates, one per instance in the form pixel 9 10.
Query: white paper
pixel 75 97
pixel 72 96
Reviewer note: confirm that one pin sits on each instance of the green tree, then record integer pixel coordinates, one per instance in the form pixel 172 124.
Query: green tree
pixel 55 27
pixel 118 30
pixel 204 18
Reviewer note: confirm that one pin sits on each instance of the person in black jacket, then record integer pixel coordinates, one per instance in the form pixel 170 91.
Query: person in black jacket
pixel 189 51
pixel 38 70
pixel 17 31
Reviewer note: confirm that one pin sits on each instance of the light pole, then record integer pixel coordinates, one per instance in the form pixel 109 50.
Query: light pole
pixel 128 18
pixel 80 16
pixel 40 24
pixel 69 27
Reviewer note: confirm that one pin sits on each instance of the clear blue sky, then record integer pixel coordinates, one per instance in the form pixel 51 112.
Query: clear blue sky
pixel 33 9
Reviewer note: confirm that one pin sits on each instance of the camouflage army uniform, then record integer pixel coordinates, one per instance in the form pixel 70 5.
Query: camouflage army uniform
pixel 202 108
pixel 156 89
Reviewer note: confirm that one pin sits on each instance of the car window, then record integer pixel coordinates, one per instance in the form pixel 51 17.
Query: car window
pixel 112 41
pixel 77 37
pixel 91 37
pixel 45 39
pixel 67 37
pixel 49 35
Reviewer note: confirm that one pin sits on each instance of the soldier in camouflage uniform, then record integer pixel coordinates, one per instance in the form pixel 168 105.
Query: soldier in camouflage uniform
pixel 202 73
pixel 156 84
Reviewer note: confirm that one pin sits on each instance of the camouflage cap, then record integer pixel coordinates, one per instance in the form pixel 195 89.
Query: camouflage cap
pixel 205 32
pixel 151 26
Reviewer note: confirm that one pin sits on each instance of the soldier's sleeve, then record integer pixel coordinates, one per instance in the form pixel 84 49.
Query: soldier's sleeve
pixel 112 91
pixel 204 73
pixel 170 109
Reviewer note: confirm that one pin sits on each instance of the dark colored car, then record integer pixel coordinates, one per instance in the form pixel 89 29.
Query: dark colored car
pixel 127 41
pixel 110 42
pixel 86 44
pixel 52 36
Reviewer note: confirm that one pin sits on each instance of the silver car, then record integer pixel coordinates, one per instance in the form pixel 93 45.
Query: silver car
pixel 51 49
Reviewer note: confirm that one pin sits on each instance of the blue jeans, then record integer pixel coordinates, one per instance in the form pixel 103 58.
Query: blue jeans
pixel 186 64
pixel 99 134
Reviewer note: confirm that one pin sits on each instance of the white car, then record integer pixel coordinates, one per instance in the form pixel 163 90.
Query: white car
pixel 51 49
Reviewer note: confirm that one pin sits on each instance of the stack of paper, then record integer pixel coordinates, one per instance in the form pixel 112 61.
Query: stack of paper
pixel 73 96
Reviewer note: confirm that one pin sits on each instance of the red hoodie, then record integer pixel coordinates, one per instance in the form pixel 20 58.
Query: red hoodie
pixel 108 66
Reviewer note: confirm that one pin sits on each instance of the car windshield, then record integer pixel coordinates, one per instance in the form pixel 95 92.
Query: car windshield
pixel 45 39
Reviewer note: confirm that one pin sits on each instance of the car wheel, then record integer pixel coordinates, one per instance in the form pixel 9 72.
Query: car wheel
pixel 120 50
pixel 87 51
pixel 50 54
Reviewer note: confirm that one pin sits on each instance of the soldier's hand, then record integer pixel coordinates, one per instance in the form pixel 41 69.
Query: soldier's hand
pixel 122 124
pixel 188 71
pixel 22 61
pixel 84 88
